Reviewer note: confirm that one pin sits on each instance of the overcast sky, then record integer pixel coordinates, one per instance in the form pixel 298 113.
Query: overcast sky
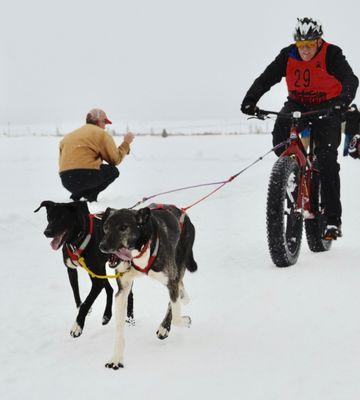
pixel 150 59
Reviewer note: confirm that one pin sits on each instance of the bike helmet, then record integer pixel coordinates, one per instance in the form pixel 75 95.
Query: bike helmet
pixel 307 29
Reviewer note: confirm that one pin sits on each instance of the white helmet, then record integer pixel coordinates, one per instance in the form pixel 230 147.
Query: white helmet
pixel 307 29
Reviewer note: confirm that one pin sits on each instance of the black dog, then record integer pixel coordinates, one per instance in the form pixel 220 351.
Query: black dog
pixel 157 242
pixel 79 233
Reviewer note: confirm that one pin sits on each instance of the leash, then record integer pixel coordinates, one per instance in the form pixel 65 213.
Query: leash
pixel 220 184
pixel 75 255
pixel 82 263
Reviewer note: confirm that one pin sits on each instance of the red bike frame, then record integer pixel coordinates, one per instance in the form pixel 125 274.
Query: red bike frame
pixel 305 161
pixel 297 150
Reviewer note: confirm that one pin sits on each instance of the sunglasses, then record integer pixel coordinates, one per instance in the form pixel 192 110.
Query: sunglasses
pixel 308 43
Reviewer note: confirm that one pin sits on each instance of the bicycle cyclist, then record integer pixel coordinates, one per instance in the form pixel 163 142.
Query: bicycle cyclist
pixel 318 76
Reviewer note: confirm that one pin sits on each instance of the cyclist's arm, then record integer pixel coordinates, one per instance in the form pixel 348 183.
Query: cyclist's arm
pixel 338 66
pixel 272 75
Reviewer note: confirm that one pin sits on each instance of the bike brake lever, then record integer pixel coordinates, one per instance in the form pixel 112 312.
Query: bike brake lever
pixel 262 117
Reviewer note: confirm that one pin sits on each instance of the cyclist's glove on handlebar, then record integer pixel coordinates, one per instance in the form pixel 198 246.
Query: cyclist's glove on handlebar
pixel 249 107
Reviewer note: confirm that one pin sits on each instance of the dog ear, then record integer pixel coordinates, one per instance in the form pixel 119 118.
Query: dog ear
pixel 107 213
pixel 47 204
pixel 143 215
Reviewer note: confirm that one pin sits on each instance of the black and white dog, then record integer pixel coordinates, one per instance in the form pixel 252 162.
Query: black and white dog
pixel 79 233
pixel 157 241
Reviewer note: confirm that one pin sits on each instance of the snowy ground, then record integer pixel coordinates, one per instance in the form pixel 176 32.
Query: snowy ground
pixel 258 332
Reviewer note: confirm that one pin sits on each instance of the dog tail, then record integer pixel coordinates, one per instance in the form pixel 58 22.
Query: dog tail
pixel 188 237
pixel 191 264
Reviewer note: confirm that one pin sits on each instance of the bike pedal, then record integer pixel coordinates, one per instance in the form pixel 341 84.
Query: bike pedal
pixel 332 232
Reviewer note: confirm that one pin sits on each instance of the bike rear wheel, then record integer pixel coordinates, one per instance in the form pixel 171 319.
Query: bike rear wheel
pixel 284 221
pixel 314 228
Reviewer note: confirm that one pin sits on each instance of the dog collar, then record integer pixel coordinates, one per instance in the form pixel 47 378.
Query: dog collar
pixel 75 253
pixel 151 258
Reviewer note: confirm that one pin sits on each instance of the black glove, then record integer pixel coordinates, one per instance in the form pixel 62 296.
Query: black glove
pixel 249 107
pixel 354 147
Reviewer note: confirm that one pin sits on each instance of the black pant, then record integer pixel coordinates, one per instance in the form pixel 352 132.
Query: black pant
pixel 88 183
pixel 326 134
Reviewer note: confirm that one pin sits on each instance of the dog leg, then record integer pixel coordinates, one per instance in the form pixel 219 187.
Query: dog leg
pixel 121 297
pixel 130 320
pixel 78 326
pixel 185 299
pixel 109 299
pixel 73 278
pixel 177 318
pixel 164 328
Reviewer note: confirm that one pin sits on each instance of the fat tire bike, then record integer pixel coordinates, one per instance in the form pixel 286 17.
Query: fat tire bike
pixel 294 194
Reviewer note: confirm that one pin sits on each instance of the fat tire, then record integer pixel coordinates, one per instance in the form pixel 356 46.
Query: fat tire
pixel 283 233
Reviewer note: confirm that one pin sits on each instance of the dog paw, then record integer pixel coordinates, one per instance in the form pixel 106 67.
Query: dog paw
pixel 76 330
pixel 162 333
pixel 184 321
pixel 130 321
pixel 114 365
pixel 106 319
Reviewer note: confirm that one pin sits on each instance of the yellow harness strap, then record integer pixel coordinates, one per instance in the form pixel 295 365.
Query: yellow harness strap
pixel 81 261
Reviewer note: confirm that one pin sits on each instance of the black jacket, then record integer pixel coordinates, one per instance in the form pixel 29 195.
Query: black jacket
pixel 336 65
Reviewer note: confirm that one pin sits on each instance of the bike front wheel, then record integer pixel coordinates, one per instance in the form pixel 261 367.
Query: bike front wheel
pixel 283 219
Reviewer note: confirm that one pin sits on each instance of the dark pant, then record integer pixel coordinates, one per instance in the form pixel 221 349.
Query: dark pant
pixel 326 134
pixel 88 183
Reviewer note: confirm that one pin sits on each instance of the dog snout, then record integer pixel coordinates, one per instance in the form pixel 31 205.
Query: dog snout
pixel 103 246
pixel 48 233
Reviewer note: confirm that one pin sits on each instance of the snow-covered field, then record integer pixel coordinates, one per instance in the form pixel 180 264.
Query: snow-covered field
pixel 258 332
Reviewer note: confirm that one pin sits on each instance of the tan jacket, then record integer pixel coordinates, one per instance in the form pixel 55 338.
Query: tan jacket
pixel 87 147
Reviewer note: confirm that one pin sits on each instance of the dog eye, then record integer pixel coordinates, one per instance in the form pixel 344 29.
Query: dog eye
pixel 123 227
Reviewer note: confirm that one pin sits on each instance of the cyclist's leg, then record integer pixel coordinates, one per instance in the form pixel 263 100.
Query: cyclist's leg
pixel 327 137
pixel 282 126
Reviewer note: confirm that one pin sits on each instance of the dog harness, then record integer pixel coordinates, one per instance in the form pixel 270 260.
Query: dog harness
pixel 75 253
pixel 155 206
pixel 151 258
pixel 156 248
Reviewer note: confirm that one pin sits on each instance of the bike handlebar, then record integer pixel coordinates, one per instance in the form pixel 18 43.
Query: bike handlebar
pixel 295 115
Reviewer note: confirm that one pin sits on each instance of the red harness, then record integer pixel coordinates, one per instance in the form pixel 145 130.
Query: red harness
pixel 151 259
pixel 75 253
pixel 154 253
pixel 155 206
